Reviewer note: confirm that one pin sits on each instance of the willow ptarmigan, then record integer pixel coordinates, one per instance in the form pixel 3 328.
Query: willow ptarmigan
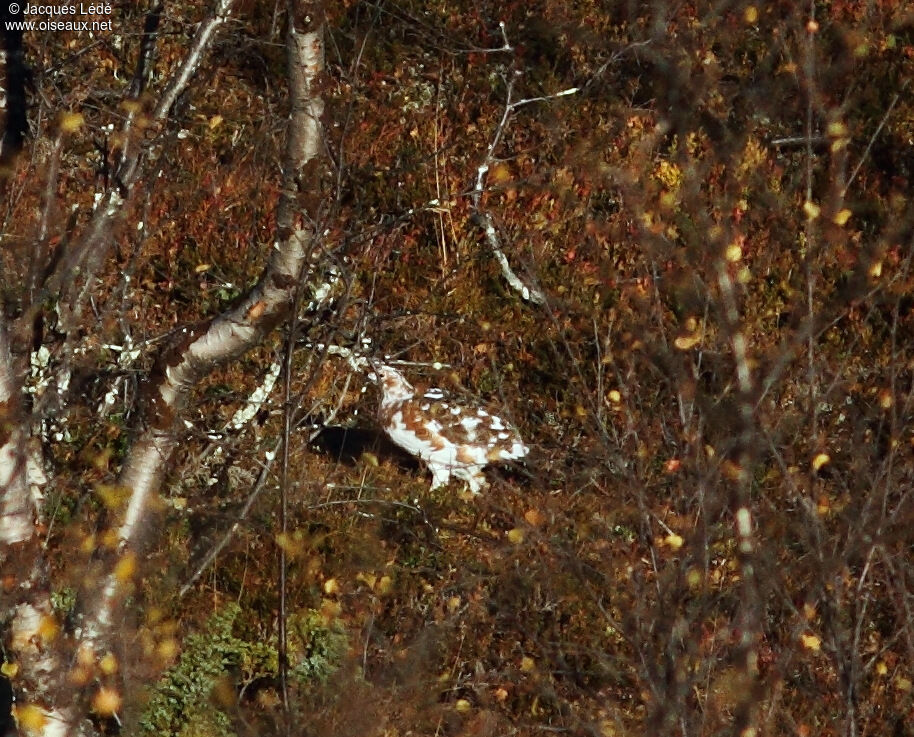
pixel 450 438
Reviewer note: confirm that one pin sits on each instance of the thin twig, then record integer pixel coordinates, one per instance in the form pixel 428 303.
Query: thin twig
pixel 529 292
pixel 236 525
pixel 869 145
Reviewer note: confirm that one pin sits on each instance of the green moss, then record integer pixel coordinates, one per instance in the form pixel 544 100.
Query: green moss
pixel 315 647
pixel 64 601
pixel 181 698
pixel 181 702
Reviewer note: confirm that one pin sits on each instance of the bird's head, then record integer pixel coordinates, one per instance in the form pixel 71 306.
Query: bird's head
pixel 394 386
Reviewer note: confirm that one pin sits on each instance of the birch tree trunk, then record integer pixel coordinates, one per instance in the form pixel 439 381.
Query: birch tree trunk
pixel 54 698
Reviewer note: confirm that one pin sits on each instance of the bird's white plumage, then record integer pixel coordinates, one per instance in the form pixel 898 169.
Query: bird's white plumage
pixel 450 438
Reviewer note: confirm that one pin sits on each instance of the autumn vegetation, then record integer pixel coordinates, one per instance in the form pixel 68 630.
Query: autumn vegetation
pixel 713 365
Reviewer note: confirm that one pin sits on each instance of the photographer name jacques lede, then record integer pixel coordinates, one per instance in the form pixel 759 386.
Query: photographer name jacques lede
pixel 81 9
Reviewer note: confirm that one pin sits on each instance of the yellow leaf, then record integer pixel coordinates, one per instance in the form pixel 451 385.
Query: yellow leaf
pixel 820 460
pixel 516 535
pixel 331 586
pixel 106 701
pixel 71 122
pixel 534 517
pixel 125 567
pixel 841 217
pixel 882 668
pixel 837 129
pixel 750 14
pixel 384 584
pixel 500 174
pixel 288 543
pixel 101 459
pixel 256 309
pixel 614 396
pixel 462 705
pixel 685 342
pixel 167 649
pixel 902 683
pixel 673 541
pixel 733 471
pixel 527 664
pixel 200 268
pixel 111 539
pixel 811 642
pixel 48 628
pixel 108 664
pixel 812 210
pixel 85 655
pixel 367 578
pixel 30 717
pixel 734 253
pixel 80 675
pixel 113 497
pixel 9 669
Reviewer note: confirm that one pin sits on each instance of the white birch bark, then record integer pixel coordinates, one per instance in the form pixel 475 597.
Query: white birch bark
pixel 39 664
pixel 231 333
pixel 16 523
